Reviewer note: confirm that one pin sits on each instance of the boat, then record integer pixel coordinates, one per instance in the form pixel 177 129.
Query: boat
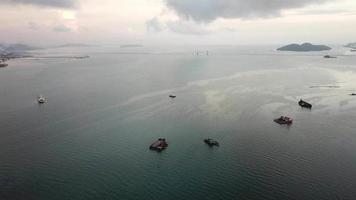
pixel 284 120
pixel 211 142
pixel 3 65
pixel 305 104
pixel 159 145
pixel 328 56
pixel 353 94
pixel 172 96
pixel 353 50
pixel 41 99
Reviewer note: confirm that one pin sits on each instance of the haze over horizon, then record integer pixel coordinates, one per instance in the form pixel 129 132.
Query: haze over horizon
pixel 208 22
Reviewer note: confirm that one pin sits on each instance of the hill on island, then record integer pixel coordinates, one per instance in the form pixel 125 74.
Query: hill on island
pixel 351 45
pixel 16 48
pixel 304 47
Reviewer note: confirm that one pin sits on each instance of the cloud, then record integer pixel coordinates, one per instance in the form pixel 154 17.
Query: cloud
pixel 49 3
pixel 187 27
pixel 62 29
pixel 154 25
pixel 33 26
pixel 209 10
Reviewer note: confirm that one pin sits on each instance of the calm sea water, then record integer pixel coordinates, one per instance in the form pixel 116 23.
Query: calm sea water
pixel 90 141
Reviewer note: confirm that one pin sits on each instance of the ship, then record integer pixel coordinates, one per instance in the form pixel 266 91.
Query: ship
pixel 211 142
pixel 159 145
pixel 305 104
pixel 172 96
pixel 284 120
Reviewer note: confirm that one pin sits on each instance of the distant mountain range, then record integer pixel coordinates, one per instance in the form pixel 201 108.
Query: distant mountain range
pixel 19 49
pixel 74 45
pixel 16 48
pixel 131 46
pixel 304 47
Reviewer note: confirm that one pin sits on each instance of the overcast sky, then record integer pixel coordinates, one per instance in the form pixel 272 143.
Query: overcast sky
pixel 46 22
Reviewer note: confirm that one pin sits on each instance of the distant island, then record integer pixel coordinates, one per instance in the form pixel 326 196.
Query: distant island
pixel 131 46
pixel 74 45
pixel 351 45
pixel 304 47
pixel 12 51
pixel 16 48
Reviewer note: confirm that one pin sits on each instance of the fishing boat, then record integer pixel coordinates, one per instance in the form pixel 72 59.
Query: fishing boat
pixel 328 56
pixel 172 96
pixel 305 104
pixel 159 145
pixel 284 120
pixel 41 99
pixel 211 142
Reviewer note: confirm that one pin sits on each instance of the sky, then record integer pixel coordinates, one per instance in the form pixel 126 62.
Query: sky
pixel 203 22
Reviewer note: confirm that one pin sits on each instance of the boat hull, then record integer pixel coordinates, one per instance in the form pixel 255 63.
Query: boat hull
pixel 159 145
pixel 305 104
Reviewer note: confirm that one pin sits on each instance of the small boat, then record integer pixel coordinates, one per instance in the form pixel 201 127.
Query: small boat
pixel 159 145
pixel 211 142
pixel 353 94
pixel 284 120
pixel 41 99
pixel 3 65
pixel 305 104
pixel 172 96
pixel 328 56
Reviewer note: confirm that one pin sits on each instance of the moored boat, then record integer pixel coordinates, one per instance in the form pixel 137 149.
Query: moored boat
pixel 159 145
pixel 211 142
pixel 305 104
pixel 284 120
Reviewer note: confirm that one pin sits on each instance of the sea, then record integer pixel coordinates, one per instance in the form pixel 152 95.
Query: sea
pixel 91 139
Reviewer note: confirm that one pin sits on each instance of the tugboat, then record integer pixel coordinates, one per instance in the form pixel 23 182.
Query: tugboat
pixel 211 142
pixel 305 104
pixel 172 96
pixel 41 99
pixel 284 120
pixel 159 145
